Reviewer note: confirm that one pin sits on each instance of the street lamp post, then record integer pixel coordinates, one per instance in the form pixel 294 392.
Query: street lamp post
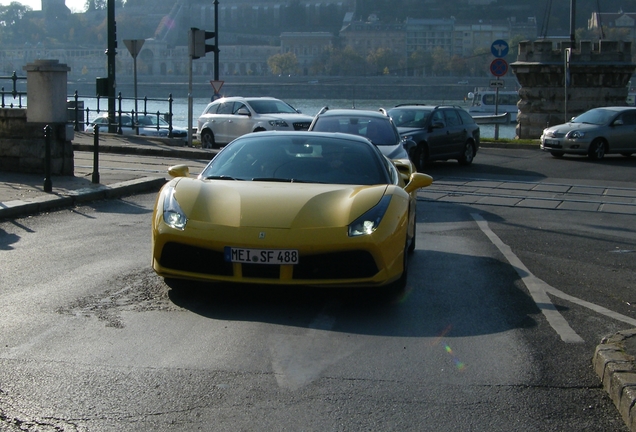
pixel 110 53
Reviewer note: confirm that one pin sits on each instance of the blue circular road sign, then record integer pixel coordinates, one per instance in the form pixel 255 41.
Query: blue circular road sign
pixel 499 48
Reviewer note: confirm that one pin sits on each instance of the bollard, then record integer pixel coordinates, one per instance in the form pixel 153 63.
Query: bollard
pixel 95 178
pixel 48 184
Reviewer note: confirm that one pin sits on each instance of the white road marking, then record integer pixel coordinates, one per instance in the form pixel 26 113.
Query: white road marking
pixel 538 289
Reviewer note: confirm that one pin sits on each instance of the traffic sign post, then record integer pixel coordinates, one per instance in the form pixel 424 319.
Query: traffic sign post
pixel 498 67
pixel 134 47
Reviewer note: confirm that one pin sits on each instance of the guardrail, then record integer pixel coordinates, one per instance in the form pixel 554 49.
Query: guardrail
pixel 493 119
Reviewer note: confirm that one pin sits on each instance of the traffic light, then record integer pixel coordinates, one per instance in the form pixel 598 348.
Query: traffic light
pixel 197 46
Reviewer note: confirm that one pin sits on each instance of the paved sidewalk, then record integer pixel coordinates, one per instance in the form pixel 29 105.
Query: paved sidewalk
pixel 23 194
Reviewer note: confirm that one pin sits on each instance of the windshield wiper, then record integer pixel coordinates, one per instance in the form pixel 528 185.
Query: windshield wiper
pixel 278 179
pixel 220 177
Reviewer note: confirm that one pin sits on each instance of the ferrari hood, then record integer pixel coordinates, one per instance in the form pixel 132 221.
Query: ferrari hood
pixel 273 204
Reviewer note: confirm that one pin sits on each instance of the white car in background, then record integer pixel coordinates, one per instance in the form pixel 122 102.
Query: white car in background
pixel 228 118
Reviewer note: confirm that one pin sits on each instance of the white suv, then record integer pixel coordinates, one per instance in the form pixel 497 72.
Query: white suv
pixel 228 118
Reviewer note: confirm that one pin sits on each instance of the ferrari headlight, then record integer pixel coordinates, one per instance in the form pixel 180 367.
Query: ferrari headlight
pixel 575 134
pixel 368 222
pixel 173 216
pixel 278 123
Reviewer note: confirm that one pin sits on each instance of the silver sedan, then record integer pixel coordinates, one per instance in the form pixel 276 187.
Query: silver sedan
pixel 594 133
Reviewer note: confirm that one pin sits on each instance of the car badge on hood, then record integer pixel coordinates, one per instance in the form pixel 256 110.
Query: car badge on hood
pixel 261 235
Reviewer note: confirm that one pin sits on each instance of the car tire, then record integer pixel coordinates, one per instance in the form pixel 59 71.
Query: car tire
pixel 207 139
pixel 557 154
pixel 421 157
pixel 467 156
pixel 597 150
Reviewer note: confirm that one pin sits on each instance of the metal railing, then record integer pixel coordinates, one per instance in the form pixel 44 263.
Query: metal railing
pixel 16 97
pixel 14 92
pixel 77 111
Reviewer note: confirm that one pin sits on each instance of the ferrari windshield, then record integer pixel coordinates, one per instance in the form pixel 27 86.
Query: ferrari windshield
pixel 303 158
pixel 596 116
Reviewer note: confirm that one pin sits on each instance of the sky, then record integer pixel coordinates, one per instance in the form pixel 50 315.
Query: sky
pixel 73 5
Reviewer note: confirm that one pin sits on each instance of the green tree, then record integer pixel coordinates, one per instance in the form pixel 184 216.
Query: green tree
pixel 15 28
pixel 419 61
pixel 382 60
pixel 479 62
pixel 441 61
pixel 283 64
pixel 458 66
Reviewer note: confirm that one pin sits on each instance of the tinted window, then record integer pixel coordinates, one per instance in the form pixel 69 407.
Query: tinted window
pixel 238 106
pixel 211 109
pixel 438 117
pixel 466 118
pixel 416 118
pixel 379 131
pixel 271 107
pixel 452 118
pixel 225 108
pixel 628 117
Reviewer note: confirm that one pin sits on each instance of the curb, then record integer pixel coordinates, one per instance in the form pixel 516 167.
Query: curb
pixel 617 371
pixel 19 208
pixel 507 145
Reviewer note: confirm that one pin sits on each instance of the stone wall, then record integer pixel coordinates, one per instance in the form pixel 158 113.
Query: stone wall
pixel 598 76
pixel 23 145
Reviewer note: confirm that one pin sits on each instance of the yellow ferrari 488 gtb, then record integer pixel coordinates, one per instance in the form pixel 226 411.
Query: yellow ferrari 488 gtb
pixel 290 208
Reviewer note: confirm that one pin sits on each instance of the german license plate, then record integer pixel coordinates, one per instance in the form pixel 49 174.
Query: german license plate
pixel 550 142
pixel 261 256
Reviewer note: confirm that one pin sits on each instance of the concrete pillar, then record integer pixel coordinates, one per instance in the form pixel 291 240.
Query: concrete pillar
pixel 46 106
pixel 46 91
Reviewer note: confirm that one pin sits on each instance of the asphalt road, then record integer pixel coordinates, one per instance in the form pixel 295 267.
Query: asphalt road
pixel 496 333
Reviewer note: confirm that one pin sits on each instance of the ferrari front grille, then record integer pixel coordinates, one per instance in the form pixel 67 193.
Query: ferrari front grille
pixel 336 265
pixel 194 259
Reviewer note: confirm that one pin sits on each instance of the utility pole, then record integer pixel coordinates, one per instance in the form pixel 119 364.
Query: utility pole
pixel 110 53
pixel 216 40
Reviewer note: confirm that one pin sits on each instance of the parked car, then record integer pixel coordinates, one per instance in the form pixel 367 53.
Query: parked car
pixel 376 126
pixel 149 125
pixel 228 118
pixel 594 133
pixel 440 132
pixel 313 209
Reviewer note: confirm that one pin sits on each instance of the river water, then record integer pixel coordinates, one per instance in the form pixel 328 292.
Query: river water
pixel 306 106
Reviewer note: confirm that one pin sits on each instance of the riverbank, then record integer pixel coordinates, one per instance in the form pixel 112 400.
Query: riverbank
pixel 387 87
